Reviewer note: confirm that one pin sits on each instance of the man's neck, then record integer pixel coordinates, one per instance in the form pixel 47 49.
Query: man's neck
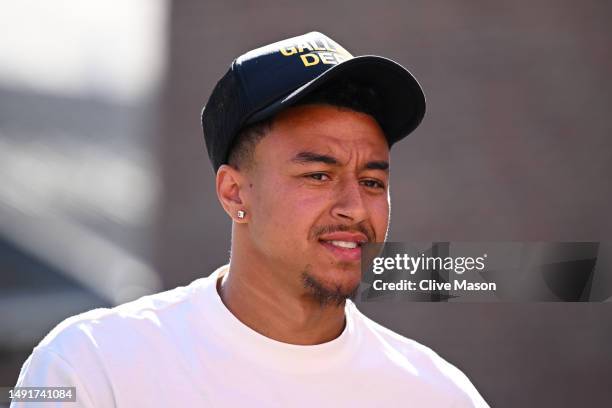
pixel 275 309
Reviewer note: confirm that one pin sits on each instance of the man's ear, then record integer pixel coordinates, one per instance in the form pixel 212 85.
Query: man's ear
pixel 230 183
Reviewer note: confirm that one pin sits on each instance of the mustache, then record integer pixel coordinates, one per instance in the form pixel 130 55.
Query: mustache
pixel 327 229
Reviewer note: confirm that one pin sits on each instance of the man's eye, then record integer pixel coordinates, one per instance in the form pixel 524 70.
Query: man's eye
pixel 373 184
pixel 318 176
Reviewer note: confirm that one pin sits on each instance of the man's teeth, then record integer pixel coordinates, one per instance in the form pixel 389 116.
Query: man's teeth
pixel 344 244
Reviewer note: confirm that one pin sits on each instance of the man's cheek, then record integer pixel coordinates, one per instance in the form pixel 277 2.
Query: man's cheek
pixel 380 219
pixel 266 203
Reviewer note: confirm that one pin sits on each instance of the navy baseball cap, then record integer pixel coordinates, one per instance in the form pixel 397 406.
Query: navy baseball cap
pixel 262 82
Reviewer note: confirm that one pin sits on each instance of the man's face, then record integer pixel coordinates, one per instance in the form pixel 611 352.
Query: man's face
pixel 318 191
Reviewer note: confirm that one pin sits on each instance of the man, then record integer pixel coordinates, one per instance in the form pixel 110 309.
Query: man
pixel 298 133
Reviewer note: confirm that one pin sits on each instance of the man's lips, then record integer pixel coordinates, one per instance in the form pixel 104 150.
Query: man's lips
pixel 346 246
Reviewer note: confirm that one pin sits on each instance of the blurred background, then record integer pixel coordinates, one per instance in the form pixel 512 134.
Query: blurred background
pixel 107 194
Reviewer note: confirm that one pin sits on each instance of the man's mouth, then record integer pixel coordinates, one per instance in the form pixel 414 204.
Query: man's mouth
pixel 344 246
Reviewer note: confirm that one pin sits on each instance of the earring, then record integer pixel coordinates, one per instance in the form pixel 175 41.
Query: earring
pixel 241 214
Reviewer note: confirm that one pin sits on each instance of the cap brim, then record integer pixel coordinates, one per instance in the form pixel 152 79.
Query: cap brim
pixel 403 101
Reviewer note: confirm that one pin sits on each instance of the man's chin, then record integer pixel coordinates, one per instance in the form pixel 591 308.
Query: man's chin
pixel 329 291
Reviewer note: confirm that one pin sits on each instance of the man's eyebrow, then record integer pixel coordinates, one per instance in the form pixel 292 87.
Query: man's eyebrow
pixel 311 157
pixel 378 165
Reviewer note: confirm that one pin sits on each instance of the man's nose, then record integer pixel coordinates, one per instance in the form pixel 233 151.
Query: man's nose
pixel 350 204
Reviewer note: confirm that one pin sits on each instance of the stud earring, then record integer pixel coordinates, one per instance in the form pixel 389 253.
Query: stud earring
pixel 241 214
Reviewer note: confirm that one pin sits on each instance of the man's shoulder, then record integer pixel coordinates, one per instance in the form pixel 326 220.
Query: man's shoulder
pixel 101 349
pixel 419 360
pixel 124 320
pixel 407 347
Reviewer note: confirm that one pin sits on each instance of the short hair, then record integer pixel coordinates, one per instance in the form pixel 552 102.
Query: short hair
pixel 344 94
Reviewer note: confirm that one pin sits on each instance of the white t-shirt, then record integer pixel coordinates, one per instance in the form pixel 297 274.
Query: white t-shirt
pixel 184 348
